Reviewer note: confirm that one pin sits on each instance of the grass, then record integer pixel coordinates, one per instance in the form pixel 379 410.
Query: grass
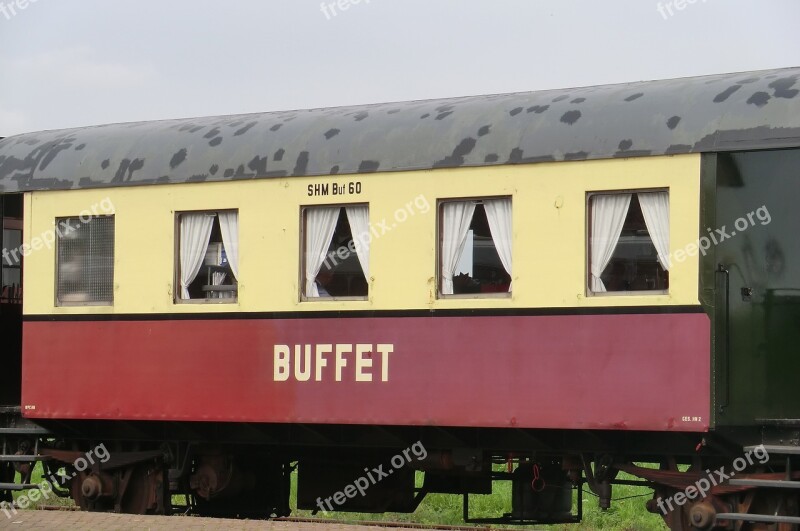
pixel 626 514
pixel 51 500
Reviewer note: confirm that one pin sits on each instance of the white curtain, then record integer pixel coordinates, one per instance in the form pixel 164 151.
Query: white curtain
pixel 608 217
pixel 498 213
pixel 358 216
pixel 320 226
pixel 229 226
pixel 456 218
pixel 195 234
pixel 655 207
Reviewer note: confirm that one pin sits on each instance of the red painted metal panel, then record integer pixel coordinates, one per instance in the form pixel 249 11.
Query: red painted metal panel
pixel 632 372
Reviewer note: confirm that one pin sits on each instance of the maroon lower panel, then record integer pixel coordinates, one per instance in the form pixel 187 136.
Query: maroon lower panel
pixel 633 372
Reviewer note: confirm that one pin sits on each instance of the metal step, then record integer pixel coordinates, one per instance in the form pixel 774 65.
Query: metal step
pixel 27 430
pixel 775 449
pixel 23 458
pixel 18 486
pixel 759 518
pixel 769 483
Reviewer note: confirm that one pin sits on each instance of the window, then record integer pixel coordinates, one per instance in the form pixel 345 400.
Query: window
pixel 85 261
pixel 11 265
pixel 208 256
pixel 629 242
pixel 11 249
pixel 475 246
pixel 336 252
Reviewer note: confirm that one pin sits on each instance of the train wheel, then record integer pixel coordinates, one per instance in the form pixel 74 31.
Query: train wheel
pixel 137 489
pixel 224 487
pixel 772 502
pixel 145 491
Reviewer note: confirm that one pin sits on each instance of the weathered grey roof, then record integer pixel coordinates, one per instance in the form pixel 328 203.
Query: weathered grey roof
pixel 713 113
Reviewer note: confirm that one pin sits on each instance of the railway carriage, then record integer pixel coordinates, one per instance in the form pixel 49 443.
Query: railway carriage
pixel 566 282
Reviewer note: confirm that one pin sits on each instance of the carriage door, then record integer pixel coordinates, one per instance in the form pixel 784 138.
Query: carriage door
pixel 10 299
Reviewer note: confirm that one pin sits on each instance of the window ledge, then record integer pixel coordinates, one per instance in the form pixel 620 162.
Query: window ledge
pixel 645 293
pixel 334 299
pixel 506 295
pixel 84 304
pixel 208 301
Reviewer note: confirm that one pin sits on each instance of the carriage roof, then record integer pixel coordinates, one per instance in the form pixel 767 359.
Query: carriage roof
pixel 751 110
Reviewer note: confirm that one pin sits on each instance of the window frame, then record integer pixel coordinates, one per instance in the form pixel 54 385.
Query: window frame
pixel 176 282
pixel 66 304
pixel 439 240
pixel 587 263
pixel 301 285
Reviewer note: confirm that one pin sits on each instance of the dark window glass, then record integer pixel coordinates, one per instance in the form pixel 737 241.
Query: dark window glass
pixel 479 268
pixel 341 274
pixel 634 266
pixel 215 278
pixel 11 266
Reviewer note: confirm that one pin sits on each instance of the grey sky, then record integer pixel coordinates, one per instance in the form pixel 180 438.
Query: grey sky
pixel 68 63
